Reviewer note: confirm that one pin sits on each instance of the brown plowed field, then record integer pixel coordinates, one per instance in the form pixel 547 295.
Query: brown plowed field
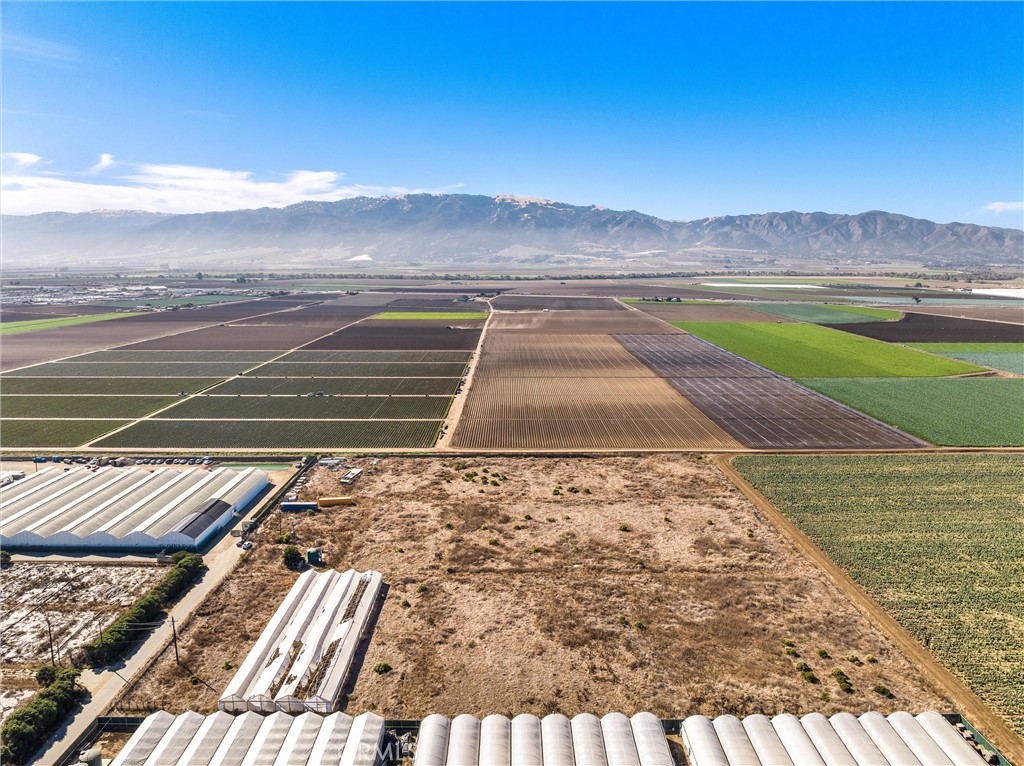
pixel 434 304
pixel 681 312
pixel 577 323
pixel 236 338
pixel 554 303
pixel 572 392
pixel 1013 314
pixel 399 336
pixel 321 314
pixel 28 312
pixel 928 328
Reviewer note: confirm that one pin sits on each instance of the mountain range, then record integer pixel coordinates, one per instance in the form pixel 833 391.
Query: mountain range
pixel 366 233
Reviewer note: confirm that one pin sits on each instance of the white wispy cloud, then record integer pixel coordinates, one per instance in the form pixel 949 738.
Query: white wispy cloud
pixel 174 188
pixel 1004 207
pixel 21 160
pixel 40 49
pixel 106 161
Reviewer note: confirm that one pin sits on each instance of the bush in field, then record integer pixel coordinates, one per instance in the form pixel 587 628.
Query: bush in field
pixel 27 728
pixel 291 557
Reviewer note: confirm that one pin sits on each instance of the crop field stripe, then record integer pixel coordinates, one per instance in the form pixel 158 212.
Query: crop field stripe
pixel 868 311
pixel 969 348
pixel 813 351
pixel 56 433
pixel 817 313
pixel 279 434
pixel 935 539
pixel 760 408
pixel 32 325
pixel 95 407
pixel 102 386
pixel 954 412
pixel 425 315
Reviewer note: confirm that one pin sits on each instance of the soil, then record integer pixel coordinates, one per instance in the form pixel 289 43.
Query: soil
pixel 388 335
pixel 550 303
pixel 657 586
pixel 1014 314
pixel 929 328
pixel 241 337
pixel 577 323
pixel 681 312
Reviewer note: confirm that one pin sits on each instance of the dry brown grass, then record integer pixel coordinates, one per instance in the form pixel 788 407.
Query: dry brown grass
pixel 547 617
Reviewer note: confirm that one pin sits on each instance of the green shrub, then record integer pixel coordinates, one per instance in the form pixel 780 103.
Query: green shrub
pixel 30 725
pixel 381 668
pixel 291 557
pixel 46 675
pixel 824 654
pixel 882 691
pixel 843 680
pixel 803 667
pixel 624 528
pixel 809 676
pixel 5 559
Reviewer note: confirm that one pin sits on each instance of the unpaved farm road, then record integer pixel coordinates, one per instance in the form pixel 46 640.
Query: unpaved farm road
pixel 990 724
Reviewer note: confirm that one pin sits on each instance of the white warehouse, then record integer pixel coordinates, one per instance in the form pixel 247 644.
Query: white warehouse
pixel 123 508
pixel 303 657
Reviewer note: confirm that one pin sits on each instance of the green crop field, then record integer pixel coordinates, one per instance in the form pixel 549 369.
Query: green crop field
pixel 811 351
pixel 936 539
pixel 195 300
pixel 361 370
pixel 275 434
pixel 453 316
pixel 822 314
pixel 31 325
pixel 308 408
pixel 1008 357
pixel 344 386
pixel 235 357
pixel 955 412
pixel 380 357
pixel 54 433
pixel 154 386
pixel 81 406
pixel 131 370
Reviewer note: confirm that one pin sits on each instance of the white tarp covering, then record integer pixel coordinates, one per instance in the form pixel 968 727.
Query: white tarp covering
pixel 842 740
pixel 302 659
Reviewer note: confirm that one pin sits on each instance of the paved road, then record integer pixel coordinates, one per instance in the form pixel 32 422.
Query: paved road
pixel 107 684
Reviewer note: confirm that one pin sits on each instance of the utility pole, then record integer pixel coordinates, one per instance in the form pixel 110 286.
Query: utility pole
pixel 49 633
pixel 174 633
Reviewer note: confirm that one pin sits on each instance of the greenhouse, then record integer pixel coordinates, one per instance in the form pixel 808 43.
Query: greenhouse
pixel 303 657
pixel 814 740
pixel 123 508
pixel 221 739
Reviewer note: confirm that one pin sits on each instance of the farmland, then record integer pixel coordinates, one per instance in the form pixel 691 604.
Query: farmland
pixel 274 434
pixel 959 412
pixel 683 612
pixel 340 386
pixel 1008 357
pixel 929 328
pixel 814 313
pixel 709 312
pixel 120 407
pixel 539 391
pixel 757 407
pixel 949 565
pixel 32 325
pixel 812 351
pixel 54 433
pixel 309 408
pixel 114 386
pixel 445 316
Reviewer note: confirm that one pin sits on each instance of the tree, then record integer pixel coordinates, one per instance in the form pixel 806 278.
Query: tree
pixel 200 276
pixel 291 557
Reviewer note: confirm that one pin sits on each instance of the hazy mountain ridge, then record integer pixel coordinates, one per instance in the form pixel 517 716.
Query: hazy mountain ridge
pixel 461 228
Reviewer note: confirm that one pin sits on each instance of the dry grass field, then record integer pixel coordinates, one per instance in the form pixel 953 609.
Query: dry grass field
pixel 533 391
pixel 646 583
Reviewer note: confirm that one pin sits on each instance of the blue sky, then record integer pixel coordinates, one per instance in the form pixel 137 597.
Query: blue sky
pixel 681 110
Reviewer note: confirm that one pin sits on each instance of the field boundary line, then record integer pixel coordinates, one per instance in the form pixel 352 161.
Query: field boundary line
pixel 974 708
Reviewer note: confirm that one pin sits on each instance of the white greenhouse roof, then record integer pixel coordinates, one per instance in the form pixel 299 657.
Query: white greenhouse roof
pixel 276 740
pixel 303 657
pixel 814 740
pixel 555 740
pixel 123 507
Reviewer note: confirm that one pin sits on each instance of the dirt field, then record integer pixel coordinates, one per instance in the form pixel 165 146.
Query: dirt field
pixel 554 303
pixel 240 337
pixel 573 392
pixel 397 335
pixel 681 312
pixel 577 323
pixel 655 587
pixel 1014 314
pixel 928 328
pixel 76 599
